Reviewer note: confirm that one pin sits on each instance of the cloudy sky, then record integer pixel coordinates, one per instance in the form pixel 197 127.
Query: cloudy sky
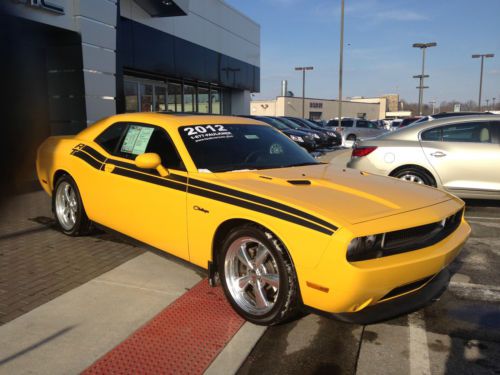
pixel 378 57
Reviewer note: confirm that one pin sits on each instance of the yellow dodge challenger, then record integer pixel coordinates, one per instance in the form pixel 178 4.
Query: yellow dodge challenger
pixel 280 230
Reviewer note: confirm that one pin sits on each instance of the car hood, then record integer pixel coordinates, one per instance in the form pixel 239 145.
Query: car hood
pixel 294 132
pixel 338 195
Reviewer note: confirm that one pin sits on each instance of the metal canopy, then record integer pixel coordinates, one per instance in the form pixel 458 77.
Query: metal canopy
pixel 164 8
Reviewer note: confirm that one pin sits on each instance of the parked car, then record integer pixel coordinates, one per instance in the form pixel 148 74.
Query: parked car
pixel 353 129
pixel 321 138
pixel 443 115
pixel 458 154
pixel 303 139
pixel 395 124
pixel 281 231
pixel 409 120
pixel 335 139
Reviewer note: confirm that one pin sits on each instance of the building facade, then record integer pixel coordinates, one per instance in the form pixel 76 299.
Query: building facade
pixel 73 62
pixel 316 109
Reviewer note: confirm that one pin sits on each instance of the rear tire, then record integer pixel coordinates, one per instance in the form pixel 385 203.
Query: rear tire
pixel 416 175
pixel 351 137
pixel 68 208
pixel 258 277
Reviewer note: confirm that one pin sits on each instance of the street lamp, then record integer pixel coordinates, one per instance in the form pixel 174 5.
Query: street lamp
pixel 493 105
pixel 421 87
pixel 341 60
pixel 482 56
pixel 303 69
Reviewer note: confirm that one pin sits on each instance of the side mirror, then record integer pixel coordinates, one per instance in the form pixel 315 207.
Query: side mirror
pixel 151 160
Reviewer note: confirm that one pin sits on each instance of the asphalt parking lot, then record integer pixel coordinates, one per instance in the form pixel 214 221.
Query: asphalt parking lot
pixel 43 271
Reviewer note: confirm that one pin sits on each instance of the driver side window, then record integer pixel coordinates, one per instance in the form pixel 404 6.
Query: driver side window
pixel 127 140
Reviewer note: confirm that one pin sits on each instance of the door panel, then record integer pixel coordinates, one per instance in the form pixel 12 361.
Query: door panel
pixel 139 202
pixel 463 156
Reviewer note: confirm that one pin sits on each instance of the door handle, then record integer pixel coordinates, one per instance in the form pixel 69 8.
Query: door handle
pixel 438 154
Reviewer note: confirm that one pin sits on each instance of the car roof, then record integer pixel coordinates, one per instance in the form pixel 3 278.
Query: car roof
pixel 409 132
pixel 167 121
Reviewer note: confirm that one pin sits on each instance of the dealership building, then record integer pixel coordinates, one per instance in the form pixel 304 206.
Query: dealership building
pixel 316 109
pixel 72 62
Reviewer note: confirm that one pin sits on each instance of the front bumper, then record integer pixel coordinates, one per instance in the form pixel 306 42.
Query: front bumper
pixel 395 307
pixel 350 287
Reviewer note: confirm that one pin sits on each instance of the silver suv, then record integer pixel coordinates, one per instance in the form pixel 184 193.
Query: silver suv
pixel 353 129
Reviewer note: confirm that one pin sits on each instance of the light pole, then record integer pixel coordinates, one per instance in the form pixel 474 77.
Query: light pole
pixel 421 87
pixel 493 105
pixel 341 60
pixel 303 69
pixel 487 104
pixel 433 106
pixel 482 56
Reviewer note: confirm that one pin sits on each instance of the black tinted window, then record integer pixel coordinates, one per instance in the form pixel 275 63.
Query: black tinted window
pixel 347 123
pixel 136 139
pixel 432 135
pixel 110 137
pixel 363 124
pixel 478 132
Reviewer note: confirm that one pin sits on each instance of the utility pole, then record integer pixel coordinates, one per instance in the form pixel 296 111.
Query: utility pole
pixel 482 56
pixel 341 62
pixel 421 87
pixel 303 69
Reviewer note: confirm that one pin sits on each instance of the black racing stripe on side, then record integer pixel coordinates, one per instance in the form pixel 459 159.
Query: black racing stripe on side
pixel 258 208
pixel 151 179
pixel 87 158
pixel 177 177
pixel 131 166
pixel 261 200
pixel 96 154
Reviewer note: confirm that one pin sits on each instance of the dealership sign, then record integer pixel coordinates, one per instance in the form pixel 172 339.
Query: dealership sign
pixel 43 4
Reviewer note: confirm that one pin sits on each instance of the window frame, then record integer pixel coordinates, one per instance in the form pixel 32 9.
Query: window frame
pixel 442 126
pixel 118 154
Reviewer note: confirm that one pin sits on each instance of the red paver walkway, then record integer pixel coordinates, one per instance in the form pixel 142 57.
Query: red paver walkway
pixel 183 339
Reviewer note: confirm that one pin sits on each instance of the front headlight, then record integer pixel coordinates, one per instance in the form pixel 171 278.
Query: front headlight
pixel 296 138
pixel 316 136
pixel 332 134
pixel 363 248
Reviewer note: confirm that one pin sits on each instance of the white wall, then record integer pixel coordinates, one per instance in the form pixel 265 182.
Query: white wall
pixel 210 23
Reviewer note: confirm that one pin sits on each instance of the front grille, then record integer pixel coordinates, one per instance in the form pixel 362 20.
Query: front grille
pixel 406 288
pixel 419 237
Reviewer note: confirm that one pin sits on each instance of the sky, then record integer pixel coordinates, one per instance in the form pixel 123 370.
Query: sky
pixel 378 54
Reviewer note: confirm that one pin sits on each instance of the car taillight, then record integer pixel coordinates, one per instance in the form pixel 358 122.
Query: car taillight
pixel 363 151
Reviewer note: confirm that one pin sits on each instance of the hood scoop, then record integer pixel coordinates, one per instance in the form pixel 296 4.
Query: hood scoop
pixel 299 182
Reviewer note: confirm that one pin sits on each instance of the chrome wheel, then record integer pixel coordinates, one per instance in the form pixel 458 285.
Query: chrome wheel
pixel 412 178
pixel 252 275
pixel 66 205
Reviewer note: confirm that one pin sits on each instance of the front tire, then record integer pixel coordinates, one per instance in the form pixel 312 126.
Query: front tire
pixel 258 277
pixel 68 208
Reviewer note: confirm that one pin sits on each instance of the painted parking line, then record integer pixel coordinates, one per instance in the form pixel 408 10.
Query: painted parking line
pixel 481 218
pixel 478 292
pixel 184 338
pixel 419 349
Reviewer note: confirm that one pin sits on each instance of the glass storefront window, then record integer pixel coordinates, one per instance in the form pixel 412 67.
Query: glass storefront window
pixel 189 99
pixel 215 101
pixel 203 100
pixel 160 98
pixel 174 97
pixel 131 96
pixel 146 92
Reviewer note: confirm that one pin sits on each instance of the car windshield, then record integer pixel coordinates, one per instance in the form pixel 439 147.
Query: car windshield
pixel 229 147
pixel 290 123
pixel 273 122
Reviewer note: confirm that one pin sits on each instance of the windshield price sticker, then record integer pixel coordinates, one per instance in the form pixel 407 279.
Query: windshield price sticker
pixel 202 133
